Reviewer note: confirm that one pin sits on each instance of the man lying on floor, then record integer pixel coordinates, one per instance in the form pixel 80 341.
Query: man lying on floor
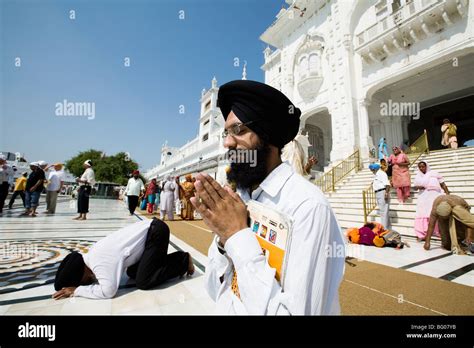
pixel 141 249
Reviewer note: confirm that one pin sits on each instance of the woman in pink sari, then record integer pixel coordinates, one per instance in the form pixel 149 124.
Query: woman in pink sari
pixel 400 173
pixel 431 184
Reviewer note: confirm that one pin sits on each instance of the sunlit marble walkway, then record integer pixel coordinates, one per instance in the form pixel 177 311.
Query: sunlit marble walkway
pixel 436 263
pixel 32 248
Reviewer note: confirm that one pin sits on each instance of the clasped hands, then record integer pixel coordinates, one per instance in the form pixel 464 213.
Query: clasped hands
pixel 221 208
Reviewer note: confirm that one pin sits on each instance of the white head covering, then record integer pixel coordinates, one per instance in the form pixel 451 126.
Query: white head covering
pixel 429 180
pixel 427 167
pixel 42 163
pixel 88 162
pixel 3 157
pixel 296 153
pixel 36 164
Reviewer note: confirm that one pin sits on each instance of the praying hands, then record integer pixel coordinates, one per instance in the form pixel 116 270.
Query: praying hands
pixel 221 208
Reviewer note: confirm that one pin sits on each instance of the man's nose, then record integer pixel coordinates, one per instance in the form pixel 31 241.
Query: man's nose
pixel 229 142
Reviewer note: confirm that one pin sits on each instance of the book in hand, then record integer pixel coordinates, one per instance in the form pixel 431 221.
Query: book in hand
pixel 273 230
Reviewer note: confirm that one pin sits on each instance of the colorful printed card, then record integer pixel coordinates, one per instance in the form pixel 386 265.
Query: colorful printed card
pixel 273 230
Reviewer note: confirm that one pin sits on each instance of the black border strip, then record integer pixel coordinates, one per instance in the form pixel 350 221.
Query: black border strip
pixel 422 262
pixel 459 272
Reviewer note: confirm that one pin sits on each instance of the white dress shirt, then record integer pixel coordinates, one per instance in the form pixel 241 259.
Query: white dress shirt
pixel 6 173
pixel 380 180
pixel 134 187
pixel 89 176
pixel 109 258
pixel 55 177
pixel 312 278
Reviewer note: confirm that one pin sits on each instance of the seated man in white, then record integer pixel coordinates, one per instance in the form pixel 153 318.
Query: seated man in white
pixel 141 249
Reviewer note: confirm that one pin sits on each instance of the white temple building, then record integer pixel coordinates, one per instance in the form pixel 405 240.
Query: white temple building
pixel 359 71
pixel 205 153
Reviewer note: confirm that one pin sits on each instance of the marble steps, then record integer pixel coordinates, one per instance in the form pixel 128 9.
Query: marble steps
pixel 457 167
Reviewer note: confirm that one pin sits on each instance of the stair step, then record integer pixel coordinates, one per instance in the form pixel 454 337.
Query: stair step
pixel 448 172
pixel 404 230
pixel 455 189
pixel 460 149
pixel 407 214
pixel 359 218
pixel 352 198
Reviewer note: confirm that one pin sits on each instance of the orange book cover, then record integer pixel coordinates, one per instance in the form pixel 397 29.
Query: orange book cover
pixel 273 231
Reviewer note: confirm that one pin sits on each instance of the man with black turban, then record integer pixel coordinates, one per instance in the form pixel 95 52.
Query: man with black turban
pixel 141 249
pixel 260 119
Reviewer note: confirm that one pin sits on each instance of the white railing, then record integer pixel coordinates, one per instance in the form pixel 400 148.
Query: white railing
pixel 403 14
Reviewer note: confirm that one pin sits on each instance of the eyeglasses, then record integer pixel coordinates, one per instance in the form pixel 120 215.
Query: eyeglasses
pixel 235 129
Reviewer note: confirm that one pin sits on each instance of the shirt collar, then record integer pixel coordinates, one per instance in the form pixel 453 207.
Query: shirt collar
pixel 274 181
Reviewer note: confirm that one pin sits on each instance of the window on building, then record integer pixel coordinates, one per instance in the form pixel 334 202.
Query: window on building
pixel 303 67
pixel 381 8
pixel 205 137
pixel 396 4
pixel 313 64
pixel 206 123
pixel 208 105
pixel 279 69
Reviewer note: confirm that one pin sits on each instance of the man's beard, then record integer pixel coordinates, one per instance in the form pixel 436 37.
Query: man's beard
pixel 247 175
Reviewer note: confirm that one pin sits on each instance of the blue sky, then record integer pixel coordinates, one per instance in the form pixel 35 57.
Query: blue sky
pixel 82 60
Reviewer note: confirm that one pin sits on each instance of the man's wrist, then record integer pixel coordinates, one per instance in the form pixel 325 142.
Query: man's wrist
pixel 223 239
pixel 243 247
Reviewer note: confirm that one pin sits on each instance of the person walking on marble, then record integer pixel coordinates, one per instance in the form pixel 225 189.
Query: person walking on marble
pixel 54 186
pixel 134 191
pixel 20 186
pixel 86 181
pixel 5 172
pixel 167 198
pixel 34 187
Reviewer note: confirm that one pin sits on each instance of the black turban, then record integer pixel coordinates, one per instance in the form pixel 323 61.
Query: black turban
pixel 277 119
pixel 70 271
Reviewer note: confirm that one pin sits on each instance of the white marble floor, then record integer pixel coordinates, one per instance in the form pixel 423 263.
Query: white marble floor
pixel 436 262
pixel 31 249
